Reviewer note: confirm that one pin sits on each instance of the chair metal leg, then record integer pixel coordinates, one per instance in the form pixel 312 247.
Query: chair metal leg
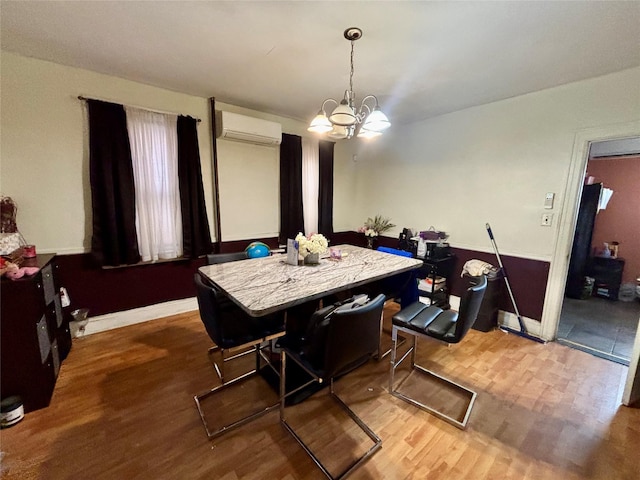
pixel 394 390
pixel 214 433
pixel 377 442
pixel 257 348
pixel 382 354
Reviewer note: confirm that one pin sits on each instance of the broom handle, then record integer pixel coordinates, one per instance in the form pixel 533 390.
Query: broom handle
pixel 506 280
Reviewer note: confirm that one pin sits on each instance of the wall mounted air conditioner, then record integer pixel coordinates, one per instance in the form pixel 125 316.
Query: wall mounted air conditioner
pixel 233 126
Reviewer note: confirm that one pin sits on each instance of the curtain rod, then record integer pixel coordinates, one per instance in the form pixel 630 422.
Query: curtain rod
pixel 80 97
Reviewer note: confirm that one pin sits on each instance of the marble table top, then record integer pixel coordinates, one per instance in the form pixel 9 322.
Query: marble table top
pixel 265 285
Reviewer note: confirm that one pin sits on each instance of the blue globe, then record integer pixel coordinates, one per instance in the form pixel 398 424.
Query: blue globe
pixel 257 250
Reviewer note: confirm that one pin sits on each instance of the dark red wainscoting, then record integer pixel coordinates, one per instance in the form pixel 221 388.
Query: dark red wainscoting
pixel 105 291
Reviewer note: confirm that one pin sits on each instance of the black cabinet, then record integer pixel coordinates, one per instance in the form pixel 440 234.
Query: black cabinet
pixel 607 273
pixel 34 334
pixel 433 269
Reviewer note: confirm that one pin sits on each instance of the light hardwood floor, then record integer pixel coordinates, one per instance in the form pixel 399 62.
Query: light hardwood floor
pixel 123 409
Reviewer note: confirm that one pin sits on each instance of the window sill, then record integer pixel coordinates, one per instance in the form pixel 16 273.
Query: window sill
pixel 142 264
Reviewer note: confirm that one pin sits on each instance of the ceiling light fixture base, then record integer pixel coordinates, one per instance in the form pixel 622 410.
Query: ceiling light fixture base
pixel 352 34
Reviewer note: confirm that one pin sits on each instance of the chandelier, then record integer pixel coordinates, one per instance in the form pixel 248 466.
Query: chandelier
pixel 343 121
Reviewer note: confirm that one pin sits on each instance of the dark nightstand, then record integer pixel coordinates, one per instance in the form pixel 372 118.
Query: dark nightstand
pixel 607 273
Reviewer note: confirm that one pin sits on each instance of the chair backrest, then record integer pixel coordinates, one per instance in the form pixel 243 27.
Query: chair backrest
pixel 226 323
pixel 214 258
pixel 469 307
pixel 353 336
pixel 207 304
pixel 395 251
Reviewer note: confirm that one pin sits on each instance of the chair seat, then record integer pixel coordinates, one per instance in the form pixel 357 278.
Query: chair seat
pixel 425 318
pixel 404 316
pixel 431 321
pixel 443 327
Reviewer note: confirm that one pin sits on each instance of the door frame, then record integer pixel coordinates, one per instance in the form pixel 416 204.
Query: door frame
pixel 631 394
pixel 554 294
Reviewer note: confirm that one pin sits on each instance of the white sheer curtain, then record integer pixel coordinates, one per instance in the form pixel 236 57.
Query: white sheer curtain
pixel 310 181
pixel 154 151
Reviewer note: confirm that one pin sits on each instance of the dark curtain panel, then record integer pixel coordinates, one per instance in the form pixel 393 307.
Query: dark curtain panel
pixel 291 216
pixel 581 250
pixel 325 190
pixel 196 236
pixel 114 240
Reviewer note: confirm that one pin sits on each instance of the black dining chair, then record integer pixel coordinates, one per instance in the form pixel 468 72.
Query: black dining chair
pixel 214 258
pixel 341 338
pixel 447 326
pixel 235 335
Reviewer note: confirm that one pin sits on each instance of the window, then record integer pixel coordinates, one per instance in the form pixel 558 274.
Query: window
pixel 146 186
pixel 154 153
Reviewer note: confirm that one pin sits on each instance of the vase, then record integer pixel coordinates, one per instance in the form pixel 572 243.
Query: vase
pixel 370 242
pixel 312 259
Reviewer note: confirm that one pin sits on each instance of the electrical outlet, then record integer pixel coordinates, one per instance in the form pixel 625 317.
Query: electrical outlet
pixel 546 220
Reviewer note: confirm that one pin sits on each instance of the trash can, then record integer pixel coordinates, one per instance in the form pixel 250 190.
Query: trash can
pixel 488 315
pixel 587 288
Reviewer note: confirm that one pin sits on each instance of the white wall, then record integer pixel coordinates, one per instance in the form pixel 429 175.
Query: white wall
pixel 492 163
pixel 44 163
pixel 249 177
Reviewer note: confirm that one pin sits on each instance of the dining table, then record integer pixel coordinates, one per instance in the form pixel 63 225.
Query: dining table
pixel 265 285
pixel 261 286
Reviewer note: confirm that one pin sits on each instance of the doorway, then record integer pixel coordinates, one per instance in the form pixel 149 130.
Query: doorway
pixel 600 309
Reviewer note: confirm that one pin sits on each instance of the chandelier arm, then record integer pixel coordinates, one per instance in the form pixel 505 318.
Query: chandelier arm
pixel 367 98
pixel 325 102
pixel 361 115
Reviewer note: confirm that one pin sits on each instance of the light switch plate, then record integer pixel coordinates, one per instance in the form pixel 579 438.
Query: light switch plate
pixel 548 200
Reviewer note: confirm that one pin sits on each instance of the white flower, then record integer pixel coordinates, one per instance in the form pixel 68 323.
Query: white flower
pixel 317 243
pixel 369 232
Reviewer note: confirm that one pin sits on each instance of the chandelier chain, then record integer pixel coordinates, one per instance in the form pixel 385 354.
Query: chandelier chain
pixel 353 95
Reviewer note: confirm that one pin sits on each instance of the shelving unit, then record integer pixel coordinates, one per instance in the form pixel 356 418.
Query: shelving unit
pixel 433 268
pixel 34 335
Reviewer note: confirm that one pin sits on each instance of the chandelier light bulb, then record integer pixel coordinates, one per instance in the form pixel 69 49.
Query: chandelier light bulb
pixel 340 132
pixel 377 121
pixel 320 124
pixel 343 115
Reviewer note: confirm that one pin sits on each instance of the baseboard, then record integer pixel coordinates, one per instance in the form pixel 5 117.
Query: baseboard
pixel 102 323
pixel 507 319
pixel 510 320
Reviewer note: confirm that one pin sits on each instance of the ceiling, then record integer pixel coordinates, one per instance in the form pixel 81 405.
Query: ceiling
pixel 421 59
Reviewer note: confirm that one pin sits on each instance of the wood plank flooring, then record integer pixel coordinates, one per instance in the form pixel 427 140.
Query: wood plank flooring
pixel 123 408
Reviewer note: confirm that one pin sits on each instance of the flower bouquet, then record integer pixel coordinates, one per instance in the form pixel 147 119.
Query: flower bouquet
pixel 374 227
pixel 311 247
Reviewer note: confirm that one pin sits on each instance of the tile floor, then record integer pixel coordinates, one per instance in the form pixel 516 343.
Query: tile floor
pixel 599 326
